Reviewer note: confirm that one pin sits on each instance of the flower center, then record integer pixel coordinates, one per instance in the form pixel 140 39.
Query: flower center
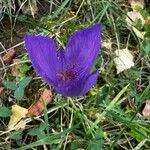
pixel 65 75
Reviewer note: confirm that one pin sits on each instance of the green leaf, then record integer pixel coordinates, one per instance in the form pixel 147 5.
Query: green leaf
pixel 24 82
pixel 43 126
pixel 74 145
pixel 60 8
pixel 137 24
pixel 10 85
pixel 147 45
pixel 39 132
pixel 41 135
pixel 137 136
pixel 50 139
pixel 34 132
pixel 24 68
pixel 17 136
pixel 4 112
pixel 22 18
pixel 19 93
pixel 97 143
pixel 147 29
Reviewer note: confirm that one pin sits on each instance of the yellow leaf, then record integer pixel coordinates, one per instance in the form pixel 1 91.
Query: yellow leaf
pixel 137 5
pixel 15 121
pixel 147 21
pixel 124 60
pixel 92 92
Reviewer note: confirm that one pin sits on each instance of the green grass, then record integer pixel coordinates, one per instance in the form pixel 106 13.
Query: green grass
pixel 111 118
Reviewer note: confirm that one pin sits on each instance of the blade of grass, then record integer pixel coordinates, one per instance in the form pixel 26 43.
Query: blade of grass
pixel 51 139
pixel 142 98
pixel 109 107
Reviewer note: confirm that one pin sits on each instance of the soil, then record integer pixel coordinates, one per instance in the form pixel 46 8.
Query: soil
pixel 10 37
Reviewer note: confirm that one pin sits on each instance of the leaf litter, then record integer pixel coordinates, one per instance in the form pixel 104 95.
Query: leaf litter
pixel 124 60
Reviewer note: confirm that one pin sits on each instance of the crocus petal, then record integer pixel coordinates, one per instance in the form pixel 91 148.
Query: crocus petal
pixel 84 46
pixel 42 53
pixel 70 88
pixel 61 59
pixel 77 88
pixel 90 82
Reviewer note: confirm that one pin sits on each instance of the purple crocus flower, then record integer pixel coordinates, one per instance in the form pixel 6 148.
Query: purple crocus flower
pixel 68 71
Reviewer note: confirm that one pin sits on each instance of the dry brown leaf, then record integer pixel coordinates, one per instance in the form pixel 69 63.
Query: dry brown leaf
pixel 15 121
pixel 15 69
pixel 1 89
pixel 123 60
pixel 36 108
pixel 9 55
pixel 146 109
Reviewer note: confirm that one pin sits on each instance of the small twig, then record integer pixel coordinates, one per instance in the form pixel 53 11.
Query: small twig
pixel 4 67
pixel 92 13
pixel 21 43
pixel 128 42
pixel 5 50
pixel 61 120
pixel 17 13
pixel 75 14
pixel 113 22
pixel 50 8
pixel 3 47
pixel 139 146
pixel 21 62
pixel 70 124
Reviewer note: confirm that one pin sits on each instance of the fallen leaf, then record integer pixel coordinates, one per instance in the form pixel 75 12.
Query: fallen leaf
pixel 15 68
pixel 36 108
pixel 92 92
pixel 1 89
pixel 136 4
pixel 15 121
pixel 9 55
pixel 138 33
pixel 147 20
pixel 146 109
pixel 132 16
pixel 123 60
pixel 107 44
